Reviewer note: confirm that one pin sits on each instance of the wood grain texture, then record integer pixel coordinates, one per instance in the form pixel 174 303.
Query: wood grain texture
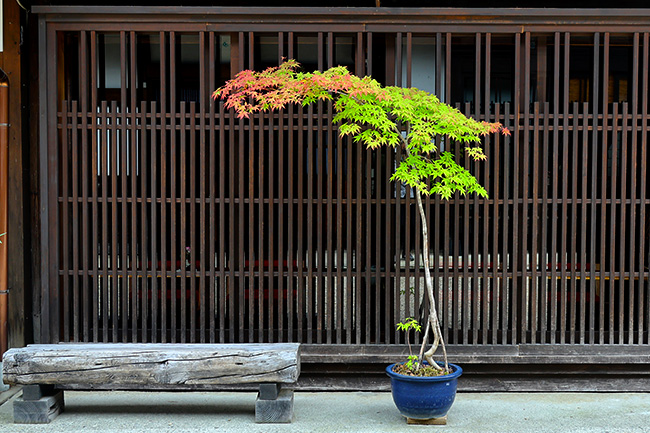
pixel 125 365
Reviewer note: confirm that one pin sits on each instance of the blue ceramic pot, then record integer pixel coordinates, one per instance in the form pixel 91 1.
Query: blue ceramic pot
pixel 424 397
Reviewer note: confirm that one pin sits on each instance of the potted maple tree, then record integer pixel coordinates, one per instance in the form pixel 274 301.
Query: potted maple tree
pixel 377 116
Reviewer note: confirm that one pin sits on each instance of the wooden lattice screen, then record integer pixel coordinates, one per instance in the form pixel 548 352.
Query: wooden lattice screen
pixel 168 219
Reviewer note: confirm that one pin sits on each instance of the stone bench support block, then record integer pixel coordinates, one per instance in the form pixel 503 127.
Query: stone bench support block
pixel 269 391
pixel 279 410
pixel 40 411
pixel 35 392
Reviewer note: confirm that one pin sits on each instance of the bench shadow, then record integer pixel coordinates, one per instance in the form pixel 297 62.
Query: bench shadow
pixel 167 408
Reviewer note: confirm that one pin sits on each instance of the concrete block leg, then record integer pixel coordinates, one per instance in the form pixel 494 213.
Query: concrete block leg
pixel 274 405
pixel 38 405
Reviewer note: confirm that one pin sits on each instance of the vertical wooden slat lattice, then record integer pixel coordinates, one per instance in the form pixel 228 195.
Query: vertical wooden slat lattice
pixel 176 221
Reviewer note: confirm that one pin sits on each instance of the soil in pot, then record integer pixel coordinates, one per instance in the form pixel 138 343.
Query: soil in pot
pixel 424 371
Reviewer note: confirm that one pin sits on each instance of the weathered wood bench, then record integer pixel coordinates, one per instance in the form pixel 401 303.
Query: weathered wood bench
pixel 45 370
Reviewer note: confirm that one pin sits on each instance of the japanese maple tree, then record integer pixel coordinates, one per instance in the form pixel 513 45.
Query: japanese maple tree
pixel 379 116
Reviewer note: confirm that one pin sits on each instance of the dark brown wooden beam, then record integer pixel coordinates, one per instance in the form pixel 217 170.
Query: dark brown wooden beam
pixel 12 66
pixel 487 354
pixel 506 19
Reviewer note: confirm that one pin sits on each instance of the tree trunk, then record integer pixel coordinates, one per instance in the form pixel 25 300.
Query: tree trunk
pixel 433 314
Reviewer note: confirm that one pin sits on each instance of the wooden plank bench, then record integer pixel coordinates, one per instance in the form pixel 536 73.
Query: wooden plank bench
pixel 45 370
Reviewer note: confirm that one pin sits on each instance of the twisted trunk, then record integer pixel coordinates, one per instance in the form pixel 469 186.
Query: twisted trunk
pixel 434 323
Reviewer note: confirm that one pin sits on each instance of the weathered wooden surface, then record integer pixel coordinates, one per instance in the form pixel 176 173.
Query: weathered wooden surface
pixel 126 365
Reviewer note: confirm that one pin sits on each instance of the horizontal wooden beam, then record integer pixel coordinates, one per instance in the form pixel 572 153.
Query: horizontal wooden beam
pixel 410 20
pixel 489 377
pixel 506 354
pixel 492 383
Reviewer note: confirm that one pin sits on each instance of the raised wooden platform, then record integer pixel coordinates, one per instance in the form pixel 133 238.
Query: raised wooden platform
pixel 429 421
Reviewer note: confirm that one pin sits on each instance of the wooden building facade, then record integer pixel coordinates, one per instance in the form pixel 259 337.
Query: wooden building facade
pixel 161 217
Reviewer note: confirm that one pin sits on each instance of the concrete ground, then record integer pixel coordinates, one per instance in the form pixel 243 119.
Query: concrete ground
pixel 338 412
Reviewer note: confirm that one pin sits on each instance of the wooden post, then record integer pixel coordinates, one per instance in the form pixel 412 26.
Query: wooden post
pixel 4 107
pixel 10 62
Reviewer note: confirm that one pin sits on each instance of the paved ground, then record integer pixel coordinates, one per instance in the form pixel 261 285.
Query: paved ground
pixel 340 412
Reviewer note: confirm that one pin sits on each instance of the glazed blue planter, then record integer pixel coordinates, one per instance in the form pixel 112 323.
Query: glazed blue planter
pixel 424 397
